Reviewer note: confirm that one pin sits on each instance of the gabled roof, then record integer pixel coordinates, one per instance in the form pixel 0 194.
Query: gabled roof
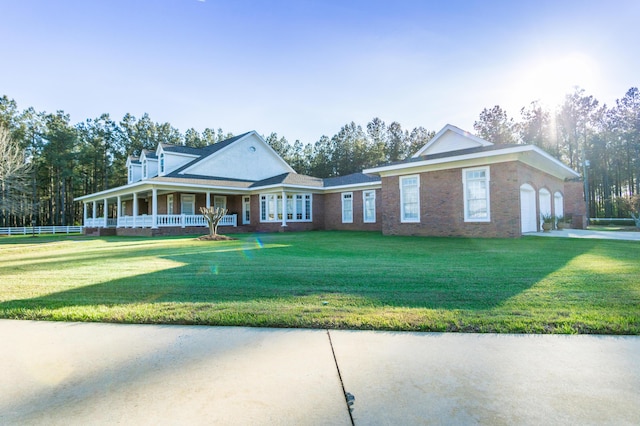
pixel 529 154
pixel 456 153
pixel 150 155
pixel 178 149
pixel 352 179
pixel 223 152
pixel 442 136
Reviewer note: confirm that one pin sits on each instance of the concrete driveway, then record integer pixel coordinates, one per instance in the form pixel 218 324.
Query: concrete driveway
pixel 90 373
pixel 585 233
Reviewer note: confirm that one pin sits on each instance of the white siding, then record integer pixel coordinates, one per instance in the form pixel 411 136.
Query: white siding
pixel 249 158
pixel 450 141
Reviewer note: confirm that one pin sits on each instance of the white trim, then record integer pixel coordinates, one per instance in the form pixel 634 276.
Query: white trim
pixel 403 218
pixel 246 208
pixel 183 202
pixel 170 204
pixel 487 180
pixel 341 188
pixel 215 154
pixel 344 197
pixel 490 156
pixel 454 129
pixel 364 206
pixel 280 186
pixel 162 164
pixel 558 196
pixel 154 207
pixel 275 203
pixel 218 198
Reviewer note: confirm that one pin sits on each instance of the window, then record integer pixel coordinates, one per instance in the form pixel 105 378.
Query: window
pixel 220 201
pixel 187 204
pixel 410 198
pixel 246 210
pixel 298 208
pixel 475 184
pixel 170 204
pixel 347 207
pixel 369 206
pixel 307 207
pixel 289 207
pixel 144 169
pixel 162 163
pixel 123 211
pixel 130 173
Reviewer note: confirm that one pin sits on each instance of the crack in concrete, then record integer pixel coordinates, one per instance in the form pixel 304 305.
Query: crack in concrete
pixel 348 397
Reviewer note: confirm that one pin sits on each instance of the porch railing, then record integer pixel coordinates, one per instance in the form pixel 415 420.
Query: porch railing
pixel 162 220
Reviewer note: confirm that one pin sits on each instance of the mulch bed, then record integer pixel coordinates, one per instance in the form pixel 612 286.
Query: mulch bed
pixel 215 238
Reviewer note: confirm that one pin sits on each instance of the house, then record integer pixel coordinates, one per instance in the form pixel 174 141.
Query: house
pixel 455 185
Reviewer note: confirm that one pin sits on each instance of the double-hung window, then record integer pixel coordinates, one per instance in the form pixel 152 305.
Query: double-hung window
pixel 298 207
pixel 347 207
pixel 170 204
pixel 410 198
pixel 369 206
pixel 162 163
pixel 475 184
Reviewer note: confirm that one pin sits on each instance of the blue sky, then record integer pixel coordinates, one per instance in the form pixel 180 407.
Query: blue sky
pixel 306 68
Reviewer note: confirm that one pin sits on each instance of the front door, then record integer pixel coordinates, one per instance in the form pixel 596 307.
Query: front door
pixel 246 210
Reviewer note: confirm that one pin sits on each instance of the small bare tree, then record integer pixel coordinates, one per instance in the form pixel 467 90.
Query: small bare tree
pixel 14 175
pixel 213 215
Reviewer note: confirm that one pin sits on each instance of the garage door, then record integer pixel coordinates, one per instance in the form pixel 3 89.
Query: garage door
pixel 545 204
pixel 528 209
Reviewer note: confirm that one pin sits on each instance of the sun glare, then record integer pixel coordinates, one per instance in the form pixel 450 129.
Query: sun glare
pixel 548 80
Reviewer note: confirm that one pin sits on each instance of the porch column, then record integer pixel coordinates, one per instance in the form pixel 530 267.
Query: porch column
pixel 135 208
pixel 208 199
pixel 94 213
pixel 284 208
pixel 105 211
pixel 84 214
pixel 154 208
pixel 118 210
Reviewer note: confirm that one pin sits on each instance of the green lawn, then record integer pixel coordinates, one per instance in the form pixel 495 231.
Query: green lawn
pixel 328 280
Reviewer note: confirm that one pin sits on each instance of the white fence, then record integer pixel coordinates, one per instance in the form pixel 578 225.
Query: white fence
pixel 29 230
pixel 162 221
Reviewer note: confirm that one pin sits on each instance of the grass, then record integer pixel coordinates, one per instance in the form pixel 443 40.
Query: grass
pixel 353 280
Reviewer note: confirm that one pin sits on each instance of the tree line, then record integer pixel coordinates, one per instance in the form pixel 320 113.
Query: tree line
pixel 61 161
pixel 600 141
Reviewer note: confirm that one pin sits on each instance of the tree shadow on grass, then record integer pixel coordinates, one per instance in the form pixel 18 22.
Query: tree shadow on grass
pixel 444 273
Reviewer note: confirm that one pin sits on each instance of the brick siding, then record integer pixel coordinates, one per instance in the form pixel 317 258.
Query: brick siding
pixel 442 202
pixel 333 212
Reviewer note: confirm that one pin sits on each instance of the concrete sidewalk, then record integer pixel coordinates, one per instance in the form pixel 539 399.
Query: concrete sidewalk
pixel 585 233
pixel 92 373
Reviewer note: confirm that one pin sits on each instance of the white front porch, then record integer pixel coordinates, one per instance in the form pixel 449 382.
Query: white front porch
pixel 143 206
pixel 161 221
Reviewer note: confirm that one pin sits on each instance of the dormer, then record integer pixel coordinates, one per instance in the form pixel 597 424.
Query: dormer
pixel 149 163
pixel 451 138
pixel 172 157
pixel 134 169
